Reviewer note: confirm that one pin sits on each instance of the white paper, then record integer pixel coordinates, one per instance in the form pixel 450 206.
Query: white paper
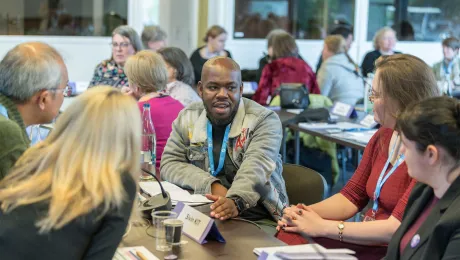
pixel 177 193
pixel 360 137
pixel 307 248
pixel 338 125
pixel 122 253
pixel 295 111
pixel 81 86
pixel 307 251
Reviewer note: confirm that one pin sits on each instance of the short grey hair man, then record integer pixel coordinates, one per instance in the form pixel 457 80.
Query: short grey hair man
pixel 33 81
pixel 153 37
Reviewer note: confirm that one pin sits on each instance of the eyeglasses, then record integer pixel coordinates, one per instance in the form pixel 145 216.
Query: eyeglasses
pixel 123 45
pixel 372 94
pixel 65 91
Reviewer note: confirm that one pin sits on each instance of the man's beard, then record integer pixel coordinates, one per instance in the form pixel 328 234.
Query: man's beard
pixel 224 121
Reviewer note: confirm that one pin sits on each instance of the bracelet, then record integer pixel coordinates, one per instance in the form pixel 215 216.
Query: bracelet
pixel 341 227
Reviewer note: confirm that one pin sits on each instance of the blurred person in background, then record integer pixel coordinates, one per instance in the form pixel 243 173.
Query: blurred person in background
pixel 384 44
pixel 285 67
pixel 148 77
pixel 347 33
pixel 125 43
pixel 449 67
pixel 180 76
pixel 33 82
pixel 215 39
pixel 338 78
pixel 68 199
pixel 153 38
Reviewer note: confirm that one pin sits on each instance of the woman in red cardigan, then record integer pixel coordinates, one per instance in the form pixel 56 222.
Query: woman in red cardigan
pixel 382 174
pixel 286 67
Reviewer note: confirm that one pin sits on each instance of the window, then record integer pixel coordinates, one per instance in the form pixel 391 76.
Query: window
pixel 419 20
pixel 62 17
pixel 305 19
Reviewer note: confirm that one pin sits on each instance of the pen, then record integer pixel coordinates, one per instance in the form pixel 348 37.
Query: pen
pixel 356 129
pixel 131 253
pixel 141 256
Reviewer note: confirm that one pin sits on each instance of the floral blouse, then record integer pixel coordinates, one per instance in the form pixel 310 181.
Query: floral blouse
pixel 109 73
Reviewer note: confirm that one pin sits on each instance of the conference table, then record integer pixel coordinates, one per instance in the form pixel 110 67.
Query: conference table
pixel 241 239
pixel 284 115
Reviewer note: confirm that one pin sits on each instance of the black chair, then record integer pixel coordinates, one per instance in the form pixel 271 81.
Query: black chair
pixel 304 185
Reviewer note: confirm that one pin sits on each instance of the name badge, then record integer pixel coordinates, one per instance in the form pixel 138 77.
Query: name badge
pixel 342 109
pixel 368 121
pixel 197 225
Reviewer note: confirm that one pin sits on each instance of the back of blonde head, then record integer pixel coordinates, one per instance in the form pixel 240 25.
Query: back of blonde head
pixel 147 70
pixel 79 167
pixel 336 44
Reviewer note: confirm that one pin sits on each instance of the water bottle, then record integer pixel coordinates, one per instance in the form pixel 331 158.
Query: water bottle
pixel 149 141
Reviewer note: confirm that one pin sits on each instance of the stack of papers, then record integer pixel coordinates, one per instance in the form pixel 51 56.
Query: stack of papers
pixel 338 125
pixel 361 137
pixel 308 251
pixel 124 253
pixel 177 193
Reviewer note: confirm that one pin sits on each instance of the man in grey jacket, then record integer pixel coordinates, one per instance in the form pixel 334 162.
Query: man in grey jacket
pixel 227 147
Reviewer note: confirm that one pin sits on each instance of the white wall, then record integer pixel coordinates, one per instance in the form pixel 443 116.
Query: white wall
pixel 248 52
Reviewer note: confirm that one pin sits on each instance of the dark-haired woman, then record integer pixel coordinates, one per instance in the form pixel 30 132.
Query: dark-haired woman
pixel 430 229
pixel 180 76
pixel 215 39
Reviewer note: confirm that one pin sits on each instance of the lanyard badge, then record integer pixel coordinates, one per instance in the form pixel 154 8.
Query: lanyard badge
pixel 223 150
pixel 382 179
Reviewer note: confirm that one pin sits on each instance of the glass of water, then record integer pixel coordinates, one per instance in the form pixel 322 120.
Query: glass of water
pixel 158 222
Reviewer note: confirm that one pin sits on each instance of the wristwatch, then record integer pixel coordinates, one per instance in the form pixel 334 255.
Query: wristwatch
pixel 239 203
pixel 341 227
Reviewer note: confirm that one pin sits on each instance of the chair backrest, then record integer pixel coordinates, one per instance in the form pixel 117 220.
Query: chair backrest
pixel 304 185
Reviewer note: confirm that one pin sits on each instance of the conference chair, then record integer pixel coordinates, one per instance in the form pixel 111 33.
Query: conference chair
pixel 304 185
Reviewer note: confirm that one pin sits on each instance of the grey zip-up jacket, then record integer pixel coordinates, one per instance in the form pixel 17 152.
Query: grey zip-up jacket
pixel 254 143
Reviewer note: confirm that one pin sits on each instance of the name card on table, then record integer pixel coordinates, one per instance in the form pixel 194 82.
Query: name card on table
pixel 342 109
pixel 197 225
pixel 368 121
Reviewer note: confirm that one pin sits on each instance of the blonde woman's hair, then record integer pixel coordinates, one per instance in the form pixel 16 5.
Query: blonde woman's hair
pixel 147 70
pixel 336 44
pixel 379 34
pixel 79 167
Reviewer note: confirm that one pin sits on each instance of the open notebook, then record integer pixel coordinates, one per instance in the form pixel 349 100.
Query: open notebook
pixel 177 193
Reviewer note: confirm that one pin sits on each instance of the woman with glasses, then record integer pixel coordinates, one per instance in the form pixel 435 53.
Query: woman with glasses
pixel 68 199
pixel 125 43
pixel 381 177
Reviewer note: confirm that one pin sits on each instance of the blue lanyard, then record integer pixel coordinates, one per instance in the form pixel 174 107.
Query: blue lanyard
pixel 222 150
pixel 448 68
pixel 3 111
pixel 383 179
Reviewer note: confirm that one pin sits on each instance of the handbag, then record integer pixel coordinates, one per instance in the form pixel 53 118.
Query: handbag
pixel 293 95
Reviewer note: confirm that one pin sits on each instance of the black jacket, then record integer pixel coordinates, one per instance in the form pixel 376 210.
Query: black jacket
pixel 439 234
pixel 368 64
pixel 91 236
pixel 198 63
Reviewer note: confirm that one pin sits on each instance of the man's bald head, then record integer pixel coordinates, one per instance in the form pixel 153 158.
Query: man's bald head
pixel 220 63
pixel 28 68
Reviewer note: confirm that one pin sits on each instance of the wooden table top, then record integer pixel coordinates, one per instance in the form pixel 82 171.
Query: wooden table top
pixel 242 237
